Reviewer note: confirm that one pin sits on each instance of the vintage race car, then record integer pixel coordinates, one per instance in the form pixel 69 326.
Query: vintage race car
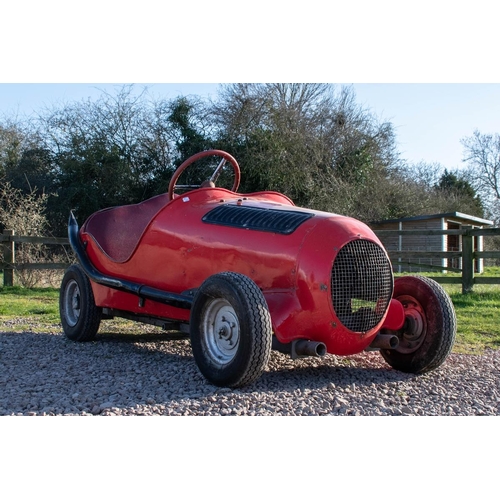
pixel 243 274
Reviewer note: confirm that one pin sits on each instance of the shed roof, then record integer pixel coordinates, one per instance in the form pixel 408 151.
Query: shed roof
pixel 456 215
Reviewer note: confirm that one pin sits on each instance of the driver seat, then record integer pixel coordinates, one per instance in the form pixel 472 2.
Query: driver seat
pixel 118 230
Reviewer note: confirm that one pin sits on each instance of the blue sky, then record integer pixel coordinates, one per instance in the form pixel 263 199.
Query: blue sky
pixel 420 46
pixel 429 119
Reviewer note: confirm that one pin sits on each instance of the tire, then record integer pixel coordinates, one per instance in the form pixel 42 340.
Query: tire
pixel 428 335
pixel 80 317
pixel 230 330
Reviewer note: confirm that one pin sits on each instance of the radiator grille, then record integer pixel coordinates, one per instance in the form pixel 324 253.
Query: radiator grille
pixel 362 284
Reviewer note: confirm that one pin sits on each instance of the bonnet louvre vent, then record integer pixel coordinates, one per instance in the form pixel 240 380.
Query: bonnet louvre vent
pixel 257 219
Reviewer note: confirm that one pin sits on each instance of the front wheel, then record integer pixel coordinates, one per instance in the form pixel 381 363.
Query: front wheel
pixel 80 317
pixel 429 331
pixel 230 330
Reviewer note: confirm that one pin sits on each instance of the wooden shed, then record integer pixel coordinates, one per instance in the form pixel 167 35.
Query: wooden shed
pixel 431 243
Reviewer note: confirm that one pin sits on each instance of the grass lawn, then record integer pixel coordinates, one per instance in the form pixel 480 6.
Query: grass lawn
pixel 478 314
pixel 39 304
pixel 478 317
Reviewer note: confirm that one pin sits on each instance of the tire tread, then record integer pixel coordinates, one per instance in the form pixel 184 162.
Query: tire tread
pixel 257 321
pixel 90 319
pixel 444 340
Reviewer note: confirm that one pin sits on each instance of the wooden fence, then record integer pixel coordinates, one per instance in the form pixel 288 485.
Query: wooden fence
pixel 467 254
pixel 8 265
pixel 468 279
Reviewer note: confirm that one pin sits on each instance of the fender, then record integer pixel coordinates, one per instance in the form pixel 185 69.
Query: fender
pixel 142 291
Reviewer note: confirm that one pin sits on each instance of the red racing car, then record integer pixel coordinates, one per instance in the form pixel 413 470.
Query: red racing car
pixel 247 273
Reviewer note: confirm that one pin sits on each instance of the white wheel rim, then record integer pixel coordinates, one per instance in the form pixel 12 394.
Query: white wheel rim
pixel 220 331
pixel 72 303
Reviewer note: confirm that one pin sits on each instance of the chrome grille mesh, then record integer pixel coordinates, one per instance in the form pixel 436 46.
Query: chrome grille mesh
pixel 362 285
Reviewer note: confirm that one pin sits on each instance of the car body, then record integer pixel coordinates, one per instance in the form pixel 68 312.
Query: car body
pixel 247 273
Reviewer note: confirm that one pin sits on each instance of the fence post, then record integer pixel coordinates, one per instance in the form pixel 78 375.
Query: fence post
pixel 467 260
pixel 9 258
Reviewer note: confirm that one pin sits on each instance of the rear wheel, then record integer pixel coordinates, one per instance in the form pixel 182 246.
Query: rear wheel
pixel 230 330
pixel 429 331
pixel 80 317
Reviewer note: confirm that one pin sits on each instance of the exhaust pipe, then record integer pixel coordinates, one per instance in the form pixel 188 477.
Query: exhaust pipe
pixel 300 348
pixel 384 341
pixel 309 348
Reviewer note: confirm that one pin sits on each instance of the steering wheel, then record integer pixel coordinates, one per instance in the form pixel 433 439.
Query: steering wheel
pixel 226 157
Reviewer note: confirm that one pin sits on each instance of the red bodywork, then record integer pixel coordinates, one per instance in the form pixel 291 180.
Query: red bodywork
pixel 166 245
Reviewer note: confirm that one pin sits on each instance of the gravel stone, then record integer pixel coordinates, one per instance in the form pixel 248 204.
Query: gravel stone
pixel 147 374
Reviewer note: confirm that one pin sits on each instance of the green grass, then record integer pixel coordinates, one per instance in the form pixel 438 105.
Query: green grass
pixel 17 301
pixel 478 313
pixel 490 271
pixel 478 317
pixel 38 310
pixel 39 305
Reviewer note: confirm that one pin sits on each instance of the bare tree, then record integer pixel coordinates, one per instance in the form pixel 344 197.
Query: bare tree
pixel 311 141
pixel 107 152
pixel 482 156
pixel 17 139
pixel 25 214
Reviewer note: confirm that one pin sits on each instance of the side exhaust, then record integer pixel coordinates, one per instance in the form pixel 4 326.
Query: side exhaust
pixel 384 341
pixel 300 348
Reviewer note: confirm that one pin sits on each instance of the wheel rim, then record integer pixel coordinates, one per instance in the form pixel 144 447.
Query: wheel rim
pixel 221 331
pixel 415 328
pixel 72 303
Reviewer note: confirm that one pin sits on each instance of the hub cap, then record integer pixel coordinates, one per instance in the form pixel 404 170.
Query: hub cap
pixel 415 327
pixel 221 331
pixel 72 303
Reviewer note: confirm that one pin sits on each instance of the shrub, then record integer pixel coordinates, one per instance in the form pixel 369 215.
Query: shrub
pixel 25 215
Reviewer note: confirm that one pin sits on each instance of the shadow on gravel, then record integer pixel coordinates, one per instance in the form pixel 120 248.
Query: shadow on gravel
pixel 45 373
pixel 304 373
pixel 324 375
pixel 138 338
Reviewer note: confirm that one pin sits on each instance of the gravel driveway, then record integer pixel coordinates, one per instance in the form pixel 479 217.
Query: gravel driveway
pixel 143 374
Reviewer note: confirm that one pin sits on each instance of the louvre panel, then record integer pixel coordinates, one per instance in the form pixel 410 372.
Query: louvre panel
pixel 257 219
